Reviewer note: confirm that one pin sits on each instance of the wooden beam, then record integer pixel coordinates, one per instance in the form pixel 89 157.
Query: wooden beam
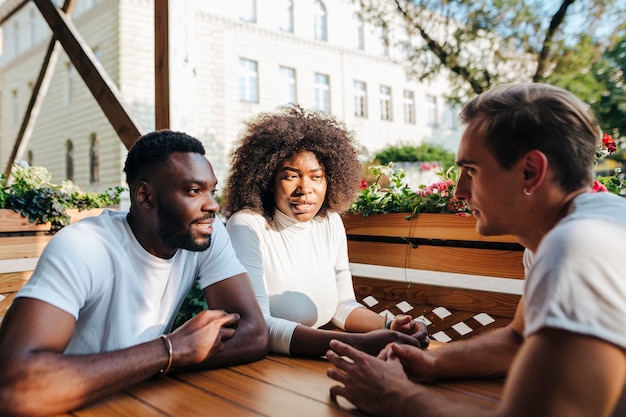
pixel 161 64
pixel 87 65
pixel 9 8
pixel 40 89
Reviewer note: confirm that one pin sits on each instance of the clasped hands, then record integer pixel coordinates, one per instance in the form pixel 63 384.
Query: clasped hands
pixel 404 323
pixel 368 381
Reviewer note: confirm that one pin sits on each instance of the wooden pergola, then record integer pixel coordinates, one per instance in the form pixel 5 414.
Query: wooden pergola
pixel 65 35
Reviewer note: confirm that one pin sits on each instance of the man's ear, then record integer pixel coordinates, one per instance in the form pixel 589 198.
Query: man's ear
pixel 535 169
pixel 144 195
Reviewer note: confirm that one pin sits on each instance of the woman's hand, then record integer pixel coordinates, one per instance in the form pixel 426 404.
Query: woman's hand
pixel 406 324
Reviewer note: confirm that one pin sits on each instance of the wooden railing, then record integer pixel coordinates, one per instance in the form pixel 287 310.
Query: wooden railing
pixel 436 267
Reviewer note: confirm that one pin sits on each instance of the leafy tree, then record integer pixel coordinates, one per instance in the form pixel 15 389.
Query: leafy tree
pixel 481 43
pixel 610 73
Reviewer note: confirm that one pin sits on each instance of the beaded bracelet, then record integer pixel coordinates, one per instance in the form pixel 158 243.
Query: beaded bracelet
pixel 170 352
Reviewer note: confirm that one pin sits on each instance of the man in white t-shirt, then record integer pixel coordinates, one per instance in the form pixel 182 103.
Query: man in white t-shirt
pixel 97 312
pixel 526 160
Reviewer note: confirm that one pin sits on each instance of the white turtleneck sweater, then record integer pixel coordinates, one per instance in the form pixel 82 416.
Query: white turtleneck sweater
pixel 299 271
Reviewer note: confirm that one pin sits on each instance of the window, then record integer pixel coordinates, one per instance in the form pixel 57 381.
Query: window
pixel 286 16
pixel 248 81
pixel 319 21
pixel 384 39
pixel 69 160
pixel 409 107
pixel 32 29
pixel 322 92
pixel 431 111
pixel 94 159
pixel 451 116
pixel 360 99
pixel 385 103
pixel 359 33
pixel 15 109
pixel 247 10
pixel 288 85
pixel 16 39
pixel 71 82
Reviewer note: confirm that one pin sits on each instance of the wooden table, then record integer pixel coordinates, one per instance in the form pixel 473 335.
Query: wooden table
pixel 275 386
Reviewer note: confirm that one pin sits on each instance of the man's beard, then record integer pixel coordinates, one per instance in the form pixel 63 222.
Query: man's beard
pixel 175 234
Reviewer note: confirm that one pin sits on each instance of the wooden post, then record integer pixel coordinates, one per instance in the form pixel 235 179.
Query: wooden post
pixel 161 64
pixel 87 65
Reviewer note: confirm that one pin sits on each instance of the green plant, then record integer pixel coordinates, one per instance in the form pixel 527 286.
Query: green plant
pixel 426 152
pixel 614 183
pixel 389 192
pixel 28 191
pixel 398 197
pixel 193 304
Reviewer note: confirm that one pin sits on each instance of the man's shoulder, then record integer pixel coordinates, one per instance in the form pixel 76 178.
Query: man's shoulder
pixel 107 226
pixel 247 218
pixel 107 219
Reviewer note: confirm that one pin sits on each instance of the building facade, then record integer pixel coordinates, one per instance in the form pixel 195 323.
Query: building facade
pixel 228 62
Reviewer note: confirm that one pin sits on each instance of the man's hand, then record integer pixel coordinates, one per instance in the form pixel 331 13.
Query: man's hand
pixel 202 337
pixel 417 363
pixel 373 385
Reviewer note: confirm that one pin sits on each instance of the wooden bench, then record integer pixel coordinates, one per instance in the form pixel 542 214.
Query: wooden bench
pixel 21 244
pixel 435 267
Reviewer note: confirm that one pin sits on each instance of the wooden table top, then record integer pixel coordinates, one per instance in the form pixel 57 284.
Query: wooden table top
pixel 275 386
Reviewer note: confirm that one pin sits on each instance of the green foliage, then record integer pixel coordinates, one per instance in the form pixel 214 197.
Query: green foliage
pixel 193 304
pixel 29 192
pixel 389 193
pixel 398 197
pixel 614 183
pixel 425 152
pixel 611 74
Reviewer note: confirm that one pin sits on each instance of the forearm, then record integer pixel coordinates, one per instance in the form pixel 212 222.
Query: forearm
pixel 487 355
pixel 362 320
pixel 307 341
pixel 46 383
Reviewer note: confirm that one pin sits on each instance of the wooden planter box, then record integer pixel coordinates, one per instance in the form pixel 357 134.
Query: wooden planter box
pixel 432 261
pixel 21 244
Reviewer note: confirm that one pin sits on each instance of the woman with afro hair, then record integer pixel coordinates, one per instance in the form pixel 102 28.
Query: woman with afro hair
pixel 291 173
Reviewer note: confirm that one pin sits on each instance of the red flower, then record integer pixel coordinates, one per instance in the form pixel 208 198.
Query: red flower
pixel 609 143
pixel 598 187
pixel 363 184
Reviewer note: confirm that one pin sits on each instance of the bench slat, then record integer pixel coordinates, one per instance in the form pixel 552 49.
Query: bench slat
pixel 487 262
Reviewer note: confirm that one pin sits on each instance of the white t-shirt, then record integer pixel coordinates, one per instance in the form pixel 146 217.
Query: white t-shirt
pixel 299 271
pixel 120 294
pixel 577 279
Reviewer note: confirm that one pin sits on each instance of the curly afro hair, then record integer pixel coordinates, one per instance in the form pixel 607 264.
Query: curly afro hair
pixel 269 139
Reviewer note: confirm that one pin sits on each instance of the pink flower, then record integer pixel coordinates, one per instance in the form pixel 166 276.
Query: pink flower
pixel 440 188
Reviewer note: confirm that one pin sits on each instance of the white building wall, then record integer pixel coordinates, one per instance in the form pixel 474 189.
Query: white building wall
pixel 207 72
pixel 59 119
